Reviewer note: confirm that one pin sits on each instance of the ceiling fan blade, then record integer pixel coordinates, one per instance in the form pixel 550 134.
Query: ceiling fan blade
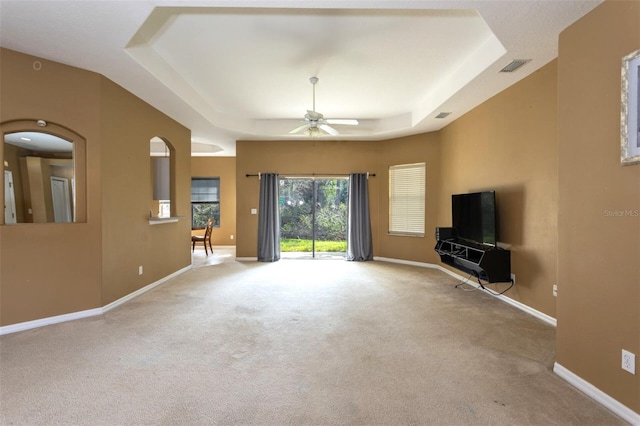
pixel 299 129
pixel 329 129
pixel 344 121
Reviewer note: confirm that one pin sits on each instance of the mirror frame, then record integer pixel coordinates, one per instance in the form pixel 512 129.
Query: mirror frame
pixel 79 160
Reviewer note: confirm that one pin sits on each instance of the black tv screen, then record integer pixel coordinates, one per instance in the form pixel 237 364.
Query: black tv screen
pixel 474 217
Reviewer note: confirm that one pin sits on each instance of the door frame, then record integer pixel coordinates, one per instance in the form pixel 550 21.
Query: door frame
pixel 61 206
pixel 314 198
pixel 9 199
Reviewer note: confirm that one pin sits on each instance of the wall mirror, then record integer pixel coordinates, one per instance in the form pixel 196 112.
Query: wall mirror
pixel 630 109
pixel 39 178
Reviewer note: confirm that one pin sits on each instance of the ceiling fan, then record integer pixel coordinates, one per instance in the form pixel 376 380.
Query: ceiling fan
pixel 315 123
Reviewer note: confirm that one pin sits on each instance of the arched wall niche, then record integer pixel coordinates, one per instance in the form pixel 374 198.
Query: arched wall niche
pixel 163 173
pixel 16 158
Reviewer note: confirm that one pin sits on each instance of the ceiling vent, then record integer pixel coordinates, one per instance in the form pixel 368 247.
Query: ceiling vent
pixel 514 65
pixel 443 114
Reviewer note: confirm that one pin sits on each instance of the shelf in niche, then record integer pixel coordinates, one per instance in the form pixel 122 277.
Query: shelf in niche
pixel 163 220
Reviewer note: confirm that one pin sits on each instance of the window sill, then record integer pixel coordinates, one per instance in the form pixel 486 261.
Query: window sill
pixel 162 220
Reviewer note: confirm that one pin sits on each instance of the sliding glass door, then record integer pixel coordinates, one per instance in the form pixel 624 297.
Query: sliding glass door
pixel 313 217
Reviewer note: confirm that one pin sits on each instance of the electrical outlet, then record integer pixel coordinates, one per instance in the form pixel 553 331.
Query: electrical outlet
pixel 555 290
pixel 513 278
pixel 232 236
pixel 140 270
pixel 628 361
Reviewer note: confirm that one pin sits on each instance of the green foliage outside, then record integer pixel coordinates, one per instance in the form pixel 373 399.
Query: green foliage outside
pixel 296 203
pixel 201 212
pixel 295 245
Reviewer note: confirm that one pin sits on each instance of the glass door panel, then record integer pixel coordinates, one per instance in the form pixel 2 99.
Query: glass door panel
pixel 331 218
pixel 313 217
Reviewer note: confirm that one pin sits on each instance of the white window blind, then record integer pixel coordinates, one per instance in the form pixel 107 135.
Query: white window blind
pixel 407 199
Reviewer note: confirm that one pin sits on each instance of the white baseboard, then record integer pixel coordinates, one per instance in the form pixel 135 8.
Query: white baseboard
pixel 246 259
pixel 28 325
pixel 596 394
pixel 528 309
pixel 144 289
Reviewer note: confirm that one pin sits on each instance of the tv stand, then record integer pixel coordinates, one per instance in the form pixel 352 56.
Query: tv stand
pixel 488 263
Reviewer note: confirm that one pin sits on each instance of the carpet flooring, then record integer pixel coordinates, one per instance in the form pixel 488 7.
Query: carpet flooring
pixel 296 342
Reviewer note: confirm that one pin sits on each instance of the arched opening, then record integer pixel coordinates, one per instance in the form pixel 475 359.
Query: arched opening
pixel 43 173
pixel 162 177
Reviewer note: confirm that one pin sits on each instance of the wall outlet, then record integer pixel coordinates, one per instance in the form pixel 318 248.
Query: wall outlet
pixel 232 236
pixel 555 290
pixel 513 279
pixel 254 211
pixel 628 362
pixel 140 270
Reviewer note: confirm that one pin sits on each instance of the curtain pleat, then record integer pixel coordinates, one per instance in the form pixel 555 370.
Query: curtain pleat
pixel 268 219
pixel 359 242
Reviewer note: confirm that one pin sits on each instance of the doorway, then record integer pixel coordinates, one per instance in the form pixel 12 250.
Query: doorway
pixel 313 217
pixel 61 199
pixel 9 199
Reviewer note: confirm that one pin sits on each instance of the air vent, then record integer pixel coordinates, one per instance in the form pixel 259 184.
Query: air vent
pixel 514 65
pixel 442 114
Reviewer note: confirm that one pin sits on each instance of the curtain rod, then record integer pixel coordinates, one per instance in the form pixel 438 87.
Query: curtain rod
pixel 309 174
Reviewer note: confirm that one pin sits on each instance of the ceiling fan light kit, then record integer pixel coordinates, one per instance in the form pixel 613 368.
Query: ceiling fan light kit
pixel 316 124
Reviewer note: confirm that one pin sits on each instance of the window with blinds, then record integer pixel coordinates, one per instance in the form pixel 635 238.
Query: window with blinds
pixel 205 201
pixel 407 199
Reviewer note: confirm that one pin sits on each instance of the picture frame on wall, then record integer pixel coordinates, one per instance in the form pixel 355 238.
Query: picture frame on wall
pixel 630 111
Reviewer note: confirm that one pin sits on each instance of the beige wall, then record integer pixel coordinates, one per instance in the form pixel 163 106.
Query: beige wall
pixel 225 169
pixel 50 269
pixel 128 241
pixel 424 148
pixel 291 158
pixel 599 254
pixel 508 144
pixel 54 269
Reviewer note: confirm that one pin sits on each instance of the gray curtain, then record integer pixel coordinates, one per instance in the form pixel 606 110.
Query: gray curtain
pixel 359 243
pixel 268 219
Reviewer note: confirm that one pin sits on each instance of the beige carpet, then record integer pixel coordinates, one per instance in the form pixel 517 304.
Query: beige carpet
pixel 297 342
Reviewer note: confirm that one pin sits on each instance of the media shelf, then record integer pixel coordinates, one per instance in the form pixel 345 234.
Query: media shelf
pixel 491 264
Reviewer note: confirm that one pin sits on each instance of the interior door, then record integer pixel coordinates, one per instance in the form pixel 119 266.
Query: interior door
pixel 61 199
pixel 9 199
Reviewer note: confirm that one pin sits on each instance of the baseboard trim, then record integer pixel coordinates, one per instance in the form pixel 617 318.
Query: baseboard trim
pixel 596 394
pixel 42 322
pixel 525 308
pixel 28 325
pixel 246 259
pixel 406 262
pixel 142 290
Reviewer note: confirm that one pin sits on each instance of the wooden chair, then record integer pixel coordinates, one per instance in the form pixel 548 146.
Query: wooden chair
pixel 204 239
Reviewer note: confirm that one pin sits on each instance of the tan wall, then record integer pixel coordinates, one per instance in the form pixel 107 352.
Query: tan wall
pixel 414 149
pixel 128 241
pixel 599 253
pixel 294 158
pixel 50 269
pixel 225 169
pixel 53 269
pixel 508 144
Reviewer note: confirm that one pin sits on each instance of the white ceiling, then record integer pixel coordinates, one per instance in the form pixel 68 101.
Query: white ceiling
pixel 239 70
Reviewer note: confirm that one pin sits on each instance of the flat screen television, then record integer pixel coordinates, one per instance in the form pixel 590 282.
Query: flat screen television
pixel 474 217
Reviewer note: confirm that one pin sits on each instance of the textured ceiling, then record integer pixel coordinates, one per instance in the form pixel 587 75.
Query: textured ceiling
pixel 233 70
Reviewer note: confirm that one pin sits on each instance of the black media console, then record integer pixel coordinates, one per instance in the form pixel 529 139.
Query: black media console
pixel 488 263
